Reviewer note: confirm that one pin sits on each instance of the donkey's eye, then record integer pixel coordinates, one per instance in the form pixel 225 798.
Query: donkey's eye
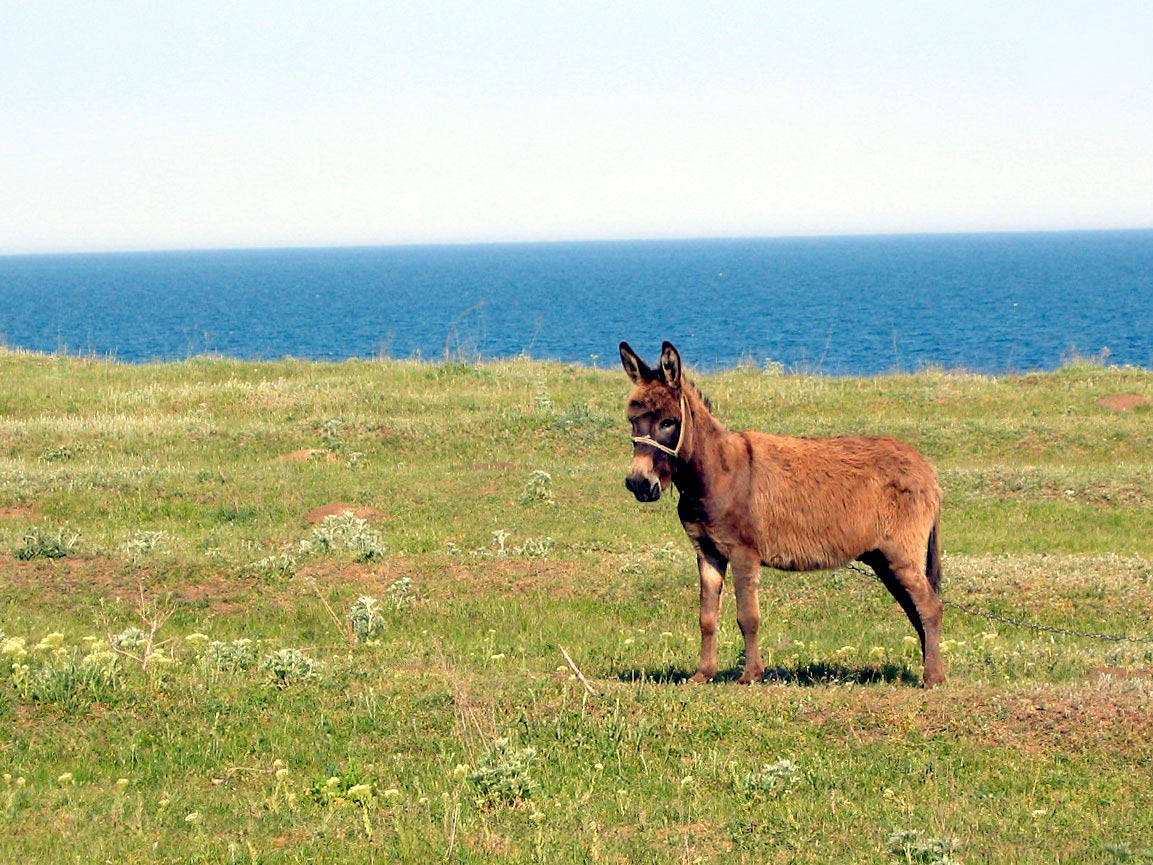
pixel 668 423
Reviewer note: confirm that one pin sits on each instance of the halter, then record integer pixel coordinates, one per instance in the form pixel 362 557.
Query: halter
pixel 671 451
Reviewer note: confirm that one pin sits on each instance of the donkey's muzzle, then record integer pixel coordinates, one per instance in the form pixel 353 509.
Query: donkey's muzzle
pixel 644 489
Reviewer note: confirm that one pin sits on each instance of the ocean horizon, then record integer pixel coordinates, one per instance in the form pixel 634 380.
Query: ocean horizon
pixel 849 305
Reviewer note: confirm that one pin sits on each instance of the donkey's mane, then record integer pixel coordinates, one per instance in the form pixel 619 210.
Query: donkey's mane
pixel 708 402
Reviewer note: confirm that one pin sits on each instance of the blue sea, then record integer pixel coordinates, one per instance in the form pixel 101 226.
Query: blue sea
pixel 992 303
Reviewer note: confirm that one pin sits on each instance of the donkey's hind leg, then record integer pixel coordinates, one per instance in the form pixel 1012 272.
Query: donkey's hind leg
pixel 907 582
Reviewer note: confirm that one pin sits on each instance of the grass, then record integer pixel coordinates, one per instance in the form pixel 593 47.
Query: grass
pixel 169 507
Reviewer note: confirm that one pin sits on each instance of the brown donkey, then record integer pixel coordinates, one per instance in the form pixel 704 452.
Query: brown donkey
pixel 749 499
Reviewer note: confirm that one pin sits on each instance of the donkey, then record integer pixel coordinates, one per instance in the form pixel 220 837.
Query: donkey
pixel 749 499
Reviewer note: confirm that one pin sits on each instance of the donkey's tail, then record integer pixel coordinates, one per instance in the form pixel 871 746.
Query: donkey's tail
pixel 933 556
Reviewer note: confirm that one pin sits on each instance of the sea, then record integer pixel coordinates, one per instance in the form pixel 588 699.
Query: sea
pixel 989 303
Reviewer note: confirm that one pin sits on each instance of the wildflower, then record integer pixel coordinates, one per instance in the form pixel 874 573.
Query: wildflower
pixel 629 641
pixel 845 650
pixel 121 785
pixel 460 771
pixel 51 642
pixel 536 816
pixel 66 778
pixel 360 792
pixel 800 644
pixel 686 781
pixel 391 793
pixel 281 774
pixel 666 634
pixel 423 800
pixel 877 652
pixel 192 817
pixel 13 646
pixel 497 657
pixel 196 639
pixel 599 767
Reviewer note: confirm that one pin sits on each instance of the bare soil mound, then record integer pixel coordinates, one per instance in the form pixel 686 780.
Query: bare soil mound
pixel 1124 401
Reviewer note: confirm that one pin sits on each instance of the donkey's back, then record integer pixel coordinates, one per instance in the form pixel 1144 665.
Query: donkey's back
pixel 822 502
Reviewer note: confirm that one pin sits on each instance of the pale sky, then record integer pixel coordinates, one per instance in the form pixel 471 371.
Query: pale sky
pixel 142 125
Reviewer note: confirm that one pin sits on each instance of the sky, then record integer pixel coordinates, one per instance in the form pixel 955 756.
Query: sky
pixel 146 125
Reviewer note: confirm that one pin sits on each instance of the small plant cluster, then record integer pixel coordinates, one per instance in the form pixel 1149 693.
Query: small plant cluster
pixel 916 847
pixel 503 776
pixel 771 781
pixel 345 533
pixel 232 655
pixel 286 667
pixel 144 543
pixel 367 613
pixel 531 547
pixel 281 566
pixel 41 542
pixel 332 438
pixel 367 621
pixel 538 489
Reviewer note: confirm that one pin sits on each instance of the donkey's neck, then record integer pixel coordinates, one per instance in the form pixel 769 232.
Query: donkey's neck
pixel 705 431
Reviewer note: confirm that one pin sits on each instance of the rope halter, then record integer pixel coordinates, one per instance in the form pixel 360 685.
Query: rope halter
pixel 671 451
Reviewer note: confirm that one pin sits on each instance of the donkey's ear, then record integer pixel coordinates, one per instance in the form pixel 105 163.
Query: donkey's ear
pixel 671 365
pixel 636 368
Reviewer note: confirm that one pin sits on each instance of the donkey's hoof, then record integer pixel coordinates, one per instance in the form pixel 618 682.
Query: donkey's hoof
pixel 933 678
pixel 700 677
pixel 750 676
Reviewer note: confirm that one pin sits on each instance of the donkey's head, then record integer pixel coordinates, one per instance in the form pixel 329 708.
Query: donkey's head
pixel 656 411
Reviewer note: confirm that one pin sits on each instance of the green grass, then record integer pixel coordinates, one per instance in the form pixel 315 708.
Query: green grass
pixel 1037 750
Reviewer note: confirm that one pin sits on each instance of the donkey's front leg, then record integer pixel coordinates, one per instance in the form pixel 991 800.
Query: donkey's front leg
pixel 747 577
pixel 712 567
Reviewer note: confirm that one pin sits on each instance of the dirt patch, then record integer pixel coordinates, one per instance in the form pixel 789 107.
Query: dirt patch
pixel 1124 401
pixel 1100 714
pixel 111 578
pixel 317 515
pixel 17 512
pixel 308 455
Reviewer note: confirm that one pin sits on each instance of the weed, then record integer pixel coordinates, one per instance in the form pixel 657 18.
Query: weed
pixel 234 655
pixel 367 621
pixel 503 778
pixel 286 667
pixel 280 566
pixel 345 533
pixel 401 593
pixel 144 543
pixel 914 846
pixel 771 781
pixel 538 489
pixel 41 542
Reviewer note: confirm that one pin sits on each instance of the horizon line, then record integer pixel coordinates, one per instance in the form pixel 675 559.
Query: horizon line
pixel 670 238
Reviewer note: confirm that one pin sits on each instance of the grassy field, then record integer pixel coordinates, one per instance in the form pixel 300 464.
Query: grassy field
pixel 160 548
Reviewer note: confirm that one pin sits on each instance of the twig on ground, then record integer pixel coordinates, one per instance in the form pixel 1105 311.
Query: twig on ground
pixel 579 674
